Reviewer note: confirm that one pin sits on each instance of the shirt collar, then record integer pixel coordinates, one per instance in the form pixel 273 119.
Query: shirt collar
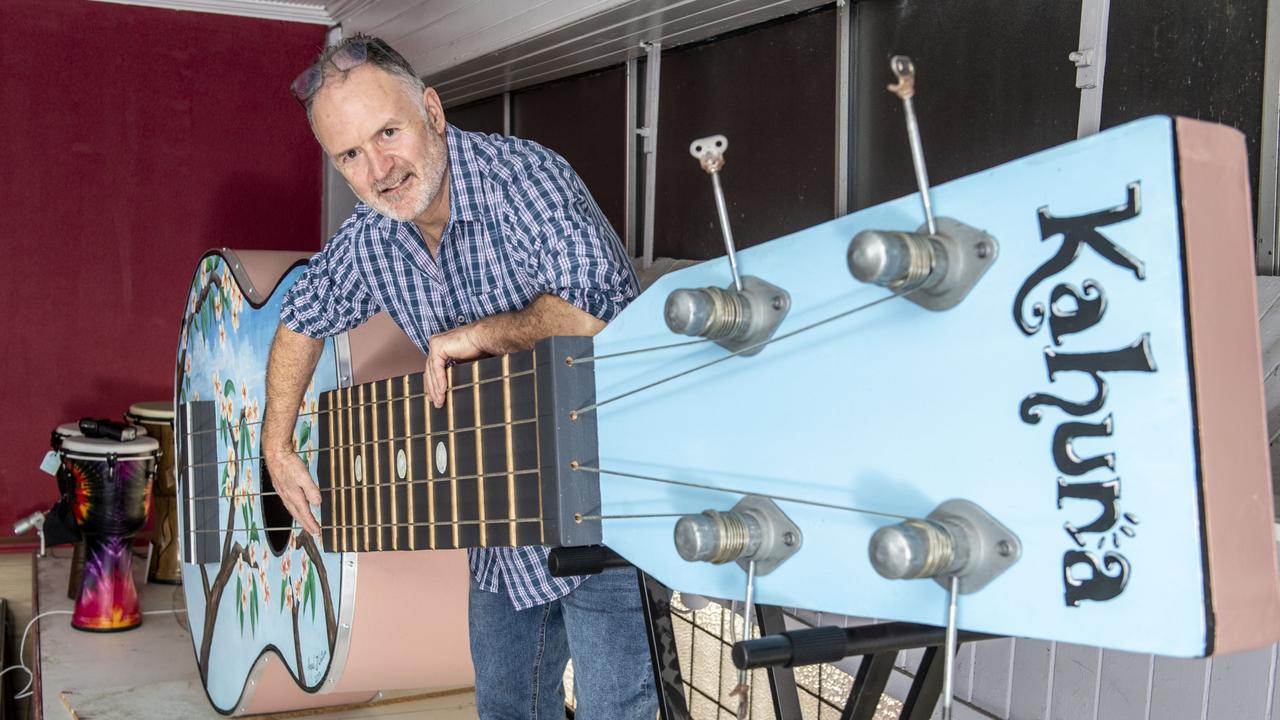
pixel 465 203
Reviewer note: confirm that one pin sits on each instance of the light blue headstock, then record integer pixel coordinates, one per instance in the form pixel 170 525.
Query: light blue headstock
pixel 896 409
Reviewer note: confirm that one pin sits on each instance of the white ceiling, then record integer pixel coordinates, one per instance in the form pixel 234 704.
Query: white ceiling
pixel 469 49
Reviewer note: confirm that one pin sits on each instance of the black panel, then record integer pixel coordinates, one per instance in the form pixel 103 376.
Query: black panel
pixel 483 116
pixel 771 91
pixel 567 439
pixel 1204 60
pixel 199 488
pixel 993 84
pixel 584 119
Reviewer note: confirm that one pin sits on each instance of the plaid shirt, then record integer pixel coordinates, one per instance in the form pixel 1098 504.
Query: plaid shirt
pixel 521 225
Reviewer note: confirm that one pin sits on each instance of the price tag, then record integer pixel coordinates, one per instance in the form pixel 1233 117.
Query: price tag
pixel 50 463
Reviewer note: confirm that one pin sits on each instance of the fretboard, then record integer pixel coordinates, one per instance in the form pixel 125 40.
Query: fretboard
pixel 491 468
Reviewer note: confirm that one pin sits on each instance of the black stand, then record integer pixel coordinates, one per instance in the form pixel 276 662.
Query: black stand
pixel 878 644
pixel 656 600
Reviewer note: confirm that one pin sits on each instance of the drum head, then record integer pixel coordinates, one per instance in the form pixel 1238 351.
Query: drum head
pixel 158 410
pixel 102 447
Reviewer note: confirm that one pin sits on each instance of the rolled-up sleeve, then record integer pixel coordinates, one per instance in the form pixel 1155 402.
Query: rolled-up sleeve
pixel 578 255
pixel 330 296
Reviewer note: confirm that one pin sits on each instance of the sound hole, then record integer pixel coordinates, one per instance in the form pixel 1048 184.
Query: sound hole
pixel 276 516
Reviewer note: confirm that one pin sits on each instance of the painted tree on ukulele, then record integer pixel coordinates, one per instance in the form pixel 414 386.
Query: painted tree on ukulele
pixel 213 320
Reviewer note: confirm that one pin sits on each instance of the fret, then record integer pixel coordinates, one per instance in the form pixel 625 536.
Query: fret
pixel 495 500
pixel 388 461
pixel 506 417
pixel 349 476
pixel 479 450
pixel 421 497
pixel 406 532
pixel 338 455
pixel 360 481
pixel 324 474
pixel 440 460
pixel 384 463
pixel 522 449
pixel 462 449
pixel 526 487
pixel 376 456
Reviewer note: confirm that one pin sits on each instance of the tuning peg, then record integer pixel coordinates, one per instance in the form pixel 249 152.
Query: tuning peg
pixel 957 539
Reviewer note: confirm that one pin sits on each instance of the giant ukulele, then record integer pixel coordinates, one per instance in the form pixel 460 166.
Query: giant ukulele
pixel 1055 398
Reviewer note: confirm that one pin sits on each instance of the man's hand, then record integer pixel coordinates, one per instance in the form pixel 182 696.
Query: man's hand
pixel 503 333
pixel 456 345
pixel 295 488
pixel 292 360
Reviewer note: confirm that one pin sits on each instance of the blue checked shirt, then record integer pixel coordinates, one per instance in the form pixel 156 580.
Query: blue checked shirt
pixel 521 225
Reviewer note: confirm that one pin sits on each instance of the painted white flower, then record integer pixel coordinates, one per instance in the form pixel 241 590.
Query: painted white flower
pixel 222 335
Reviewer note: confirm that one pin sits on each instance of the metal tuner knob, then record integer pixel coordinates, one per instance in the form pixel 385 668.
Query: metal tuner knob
pixel 958 539
pixel 897 260
pixel 708 312
pixel 754 530
pixel 717 537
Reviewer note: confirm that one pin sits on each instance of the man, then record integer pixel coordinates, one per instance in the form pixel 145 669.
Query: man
pixel 476 245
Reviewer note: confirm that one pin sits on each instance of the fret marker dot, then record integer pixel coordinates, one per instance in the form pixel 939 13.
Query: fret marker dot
pixel 442 458
pixel 359 475
pixel 402 464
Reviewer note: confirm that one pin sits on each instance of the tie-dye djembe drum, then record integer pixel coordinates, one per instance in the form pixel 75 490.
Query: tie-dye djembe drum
pixel 65 489
pixel 166 560
pixel 112 489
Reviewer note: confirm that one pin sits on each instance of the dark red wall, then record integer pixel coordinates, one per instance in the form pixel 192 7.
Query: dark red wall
pixel 131 140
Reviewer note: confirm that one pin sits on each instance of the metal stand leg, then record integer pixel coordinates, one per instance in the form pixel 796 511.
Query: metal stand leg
pixel 782 681
pixel 656 601
pixel 922 699
pixel 868 686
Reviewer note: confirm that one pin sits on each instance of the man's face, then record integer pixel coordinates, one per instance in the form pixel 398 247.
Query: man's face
pixel 376 134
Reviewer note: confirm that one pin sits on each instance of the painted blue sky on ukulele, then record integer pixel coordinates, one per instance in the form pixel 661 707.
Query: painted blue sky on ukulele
pixel 266 597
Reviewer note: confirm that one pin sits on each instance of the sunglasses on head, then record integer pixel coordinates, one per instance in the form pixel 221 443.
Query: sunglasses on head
pixel 351 55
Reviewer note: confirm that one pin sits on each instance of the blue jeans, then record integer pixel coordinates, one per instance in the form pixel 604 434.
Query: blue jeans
pixel 520 656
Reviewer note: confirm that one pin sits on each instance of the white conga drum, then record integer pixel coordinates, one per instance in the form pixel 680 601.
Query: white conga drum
pixel 166 563
pixel 112 494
